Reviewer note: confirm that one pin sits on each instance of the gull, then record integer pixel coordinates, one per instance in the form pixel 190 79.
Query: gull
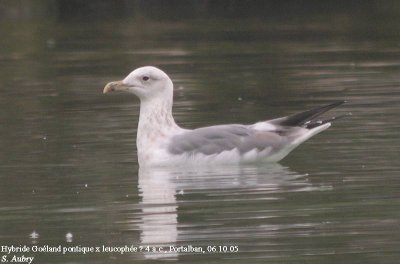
pixel 161 142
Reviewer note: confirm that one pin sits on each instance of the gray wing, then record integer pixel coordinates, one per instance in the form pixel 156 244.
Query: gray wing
pixel 276 134
pixel 216 139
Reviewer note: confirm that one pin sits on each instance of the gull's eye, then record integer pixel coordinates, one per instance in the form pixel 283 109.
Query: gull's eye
pixel 145 78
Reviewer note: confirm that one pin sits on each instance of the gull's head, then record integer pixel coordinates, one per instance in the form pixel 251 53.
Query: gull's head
pixel 145 82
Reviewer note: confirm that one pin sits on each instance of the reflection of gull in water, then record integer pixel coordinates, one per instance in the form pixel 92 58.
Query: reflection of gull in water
pixel 159 207
pixel 159 216
pixel 163 189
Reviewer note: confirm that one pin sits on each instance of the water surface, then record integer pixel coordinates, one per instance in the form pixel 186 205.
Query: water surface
pixel 69 173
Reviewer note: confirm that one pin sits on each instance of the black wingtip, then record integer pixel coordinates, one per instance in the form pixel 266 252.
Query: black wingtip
pixel 306 117
pixel 333 104
pixel 316 123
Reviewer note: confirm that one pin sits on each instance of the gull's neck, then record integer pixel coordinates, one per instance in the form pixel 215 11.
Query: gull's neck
pixel 156 123
pixel 156 114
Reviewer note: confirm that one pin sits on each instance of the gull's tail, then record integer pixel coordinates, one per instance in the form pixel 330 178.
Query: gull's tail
pixel 309 119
